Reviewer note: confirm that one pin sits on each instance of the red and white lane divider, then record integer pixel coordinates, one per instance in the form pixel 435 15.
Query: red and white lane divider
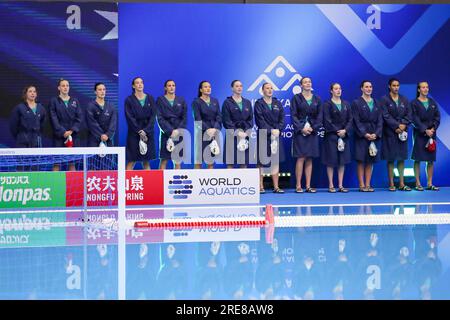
pixel 243 222
pixel 198 223
pixel 209 222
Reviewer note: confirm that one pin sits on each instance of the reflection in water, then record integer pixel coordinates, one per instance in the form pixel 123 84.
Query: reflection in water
pixel 172 279
pixel 371 262
pixel 428 266
pixel 101 268
pixel 238 275
pixel 308 263
pixel 208 284
pixel 142 266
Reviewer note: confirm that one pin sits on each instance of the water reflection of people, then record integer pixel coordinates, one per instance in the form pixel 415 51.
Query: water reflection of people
pixel 369 269
pixel 308 278
pixel 310 257
pixel 399 236
pixel 400 285
pixel 69 277
pixel 340 270
pixel 102 273
pixel 287 291
pixel 141 270
pixel 171 279
pixel 428 266
pixel 397 258
pixel 276 258
pixel 238 271
pixel 210 272
pixel 269 274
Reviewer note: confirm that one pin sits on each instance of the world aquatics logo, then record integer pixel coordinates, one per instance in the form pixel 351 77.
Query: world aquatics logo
pixel 180 186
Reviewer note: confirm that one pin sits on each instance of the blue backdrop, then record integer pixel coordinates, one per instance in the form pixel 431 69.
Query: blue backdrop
pixel 43 42
pixel 281 43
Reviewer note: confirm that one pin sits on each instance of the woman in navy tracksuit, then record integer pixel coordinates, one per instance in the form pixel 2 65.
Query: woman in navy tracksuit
pixel 269 117
pixel 368 125
pixel 207 115
pixel 337 120
pixel 27 120
pixel 397 116
pixel 237 117
pixel 66 117
pixel 140 112
pixel 306 107
pixel 426 120
pixel 101 116
pixel 172 118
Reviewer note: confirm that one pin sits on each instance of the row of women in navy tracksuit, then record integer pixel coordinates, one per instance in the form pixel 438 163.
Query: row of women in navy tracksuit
pixel 372 120
pixel 380 122
pixel 170 111
pixel 378 126
pixel 66 117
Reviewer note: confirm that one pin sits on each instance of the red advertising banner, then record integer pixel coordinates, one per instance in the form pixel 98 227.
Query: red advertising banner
pixel 141 188
pixel 144 187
